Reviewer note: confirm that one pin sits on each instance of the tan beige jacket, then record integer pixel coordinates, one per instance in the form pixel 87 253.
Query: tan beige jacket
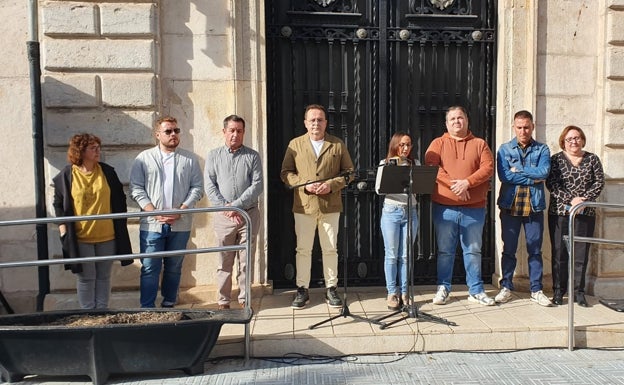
pixel 300 165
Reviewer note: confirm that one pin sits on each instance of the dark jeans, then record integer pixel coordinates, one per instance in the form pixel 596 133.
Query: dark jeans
pixel 558 227
pixel 533 232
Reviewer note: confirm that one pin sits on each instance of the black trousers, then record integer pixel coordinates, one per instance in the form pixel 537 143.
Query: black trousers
pixel 557 228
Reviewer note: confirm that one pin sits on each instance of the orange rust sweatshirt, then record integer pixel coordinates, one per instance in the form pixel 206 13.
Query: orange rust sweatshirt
pixel 468 158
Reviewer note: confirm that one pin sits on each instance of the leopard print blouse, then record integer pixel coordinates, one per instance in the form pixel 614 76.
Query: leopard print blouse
pixel 567 181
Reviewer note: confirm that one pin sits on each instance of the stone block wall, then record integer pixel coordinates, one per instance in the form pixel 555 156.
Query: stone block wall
pixel 564 61
pixel 583 84
pixel 112 67
pixel 100 66
pixel 608 268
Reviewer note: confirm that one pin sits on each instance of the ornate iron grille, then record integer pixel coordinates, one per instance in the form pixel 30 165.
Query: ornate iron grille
pixel 379 66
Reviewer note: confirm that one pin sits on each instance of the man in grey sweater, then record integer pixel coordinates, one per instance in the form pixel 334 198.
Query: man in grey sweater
pixel 233 176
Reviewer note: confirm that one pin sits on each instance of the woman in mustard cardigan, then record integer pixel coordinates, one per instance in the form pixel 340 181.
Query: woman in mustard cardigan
pixel 89 187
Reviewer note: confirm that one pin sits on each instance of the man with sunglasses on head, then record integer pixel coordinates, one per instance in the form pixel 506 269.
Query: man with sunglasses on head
pixel 164 177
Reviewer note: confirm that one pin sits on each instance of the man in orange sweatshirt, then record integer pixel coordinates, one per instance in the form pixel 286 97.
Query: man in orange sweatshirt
pixel 466 166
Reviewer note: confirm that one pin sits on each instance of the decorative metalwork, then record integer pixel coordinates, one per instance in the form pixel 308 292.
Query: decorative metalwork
pixel 442 4
pixel 286 31
pixel 337 6
pixel 324 3
pixel 397 65
pixel 449 7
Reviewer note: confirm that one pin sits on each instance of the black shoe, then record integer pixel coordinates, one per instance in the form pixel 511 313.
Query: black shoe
pixel 580 299
pixel 332 297
pixel 557 298
pixel 301 299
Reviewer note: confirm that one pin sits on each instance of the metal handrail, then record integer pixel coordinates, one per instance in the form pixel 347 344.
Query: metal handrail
pixel 173 253
pixel 571 239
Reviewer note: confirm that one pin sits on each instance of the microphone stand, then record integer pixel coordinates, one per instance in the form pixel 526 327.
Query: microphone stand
pixel 410 308
pixel 344 311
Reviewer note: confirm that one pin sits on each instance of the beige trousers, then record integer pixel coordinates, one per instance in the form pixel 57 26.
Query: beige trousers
pixel 305 228
pixel 229 233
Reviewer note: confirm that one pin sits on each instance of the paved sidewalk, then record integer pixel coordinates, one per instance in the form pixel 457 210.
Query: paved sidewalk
pixel 543 366
pixel 485 347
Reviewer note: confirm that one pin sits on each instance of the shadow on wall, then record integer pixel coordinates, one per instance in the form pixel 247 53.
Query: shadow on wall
pixel 123 135
pixel 230 27
pixel 74 103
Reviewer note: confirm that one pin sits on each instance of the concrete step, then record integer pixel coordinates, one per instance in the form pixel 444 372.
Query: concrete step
pixel 277 330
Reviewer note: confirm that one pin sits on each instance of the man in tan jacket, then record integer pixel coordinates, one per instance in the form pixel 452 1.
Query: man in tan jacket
pixel 316 166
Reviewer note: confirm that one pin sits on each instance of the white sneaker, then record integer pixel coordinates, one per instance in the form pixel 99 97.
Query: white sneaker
pixel 540 298
pixel 481 298
pixel 441 296
pixel 504 295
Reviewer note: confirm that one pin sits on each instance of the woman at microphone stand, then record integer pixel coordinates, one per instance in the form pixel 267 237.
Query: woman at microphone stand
pixel 393 225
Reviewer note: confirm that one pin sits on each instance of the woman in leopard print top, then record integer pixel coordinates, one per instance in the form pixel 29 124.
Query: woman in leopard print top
pixel 575 176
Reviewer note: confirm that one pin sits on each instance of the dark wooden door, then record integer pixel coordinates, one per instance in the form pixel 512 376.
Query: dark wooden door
pixel 379 66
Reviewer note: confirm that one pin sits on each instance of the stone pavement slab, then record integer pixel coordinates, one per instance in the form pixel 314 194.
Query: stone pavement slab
pixel 539 366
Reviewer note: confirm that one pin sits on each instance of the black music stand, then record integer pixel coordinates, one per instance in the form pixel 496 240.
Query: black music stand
pixel 393 179
pixel 344 311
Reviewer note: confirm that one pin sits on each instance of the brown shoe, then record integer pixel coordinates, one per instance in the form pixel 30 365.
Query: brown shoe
pixel 241 304
pixel 393 302
pixel 405 299
pixel 224 307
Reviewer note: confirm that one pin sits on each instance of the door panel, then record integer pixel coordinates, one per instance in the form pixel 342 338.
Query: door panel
pixel 379 67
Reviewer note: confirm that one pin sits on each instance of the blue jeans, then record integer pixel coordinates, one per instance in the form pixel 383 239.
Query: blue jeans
pixel 463 225
pixel 152 242
pixel 394 230
pixel 534 234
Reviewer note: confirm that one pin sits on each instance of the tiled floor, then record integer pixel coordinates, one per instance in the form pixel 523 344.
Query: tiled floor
pixel 277 330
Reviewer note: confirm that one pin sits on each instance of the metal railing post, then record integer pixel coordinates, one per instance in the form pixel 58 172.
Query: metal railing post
pixel 571 240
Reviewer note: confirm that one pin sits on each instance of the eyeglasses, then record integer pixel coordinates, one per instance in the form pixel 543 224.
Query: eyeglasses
pixel 169 131
pixel 405 145
pixel 574 139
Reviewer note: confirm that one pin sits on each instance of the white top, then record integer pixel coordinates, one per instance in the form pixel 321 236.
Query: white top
pixel 317 145
pixel 168 177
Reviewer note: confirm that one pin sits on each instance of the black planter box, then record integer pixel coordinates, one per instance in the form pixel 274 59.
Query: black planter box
pixel 30 347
